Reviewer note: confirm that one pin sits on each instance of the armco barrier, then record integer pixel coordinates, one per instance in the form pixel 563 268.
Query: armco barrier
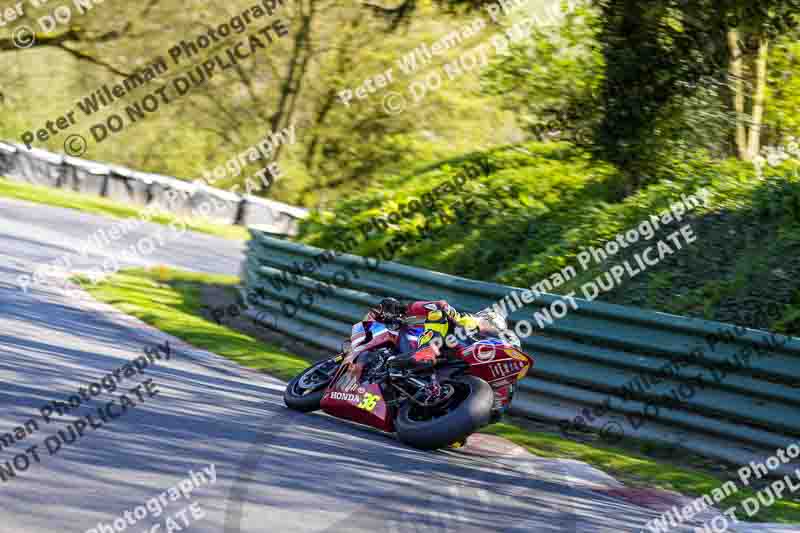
pixel 582 360
pixel 41 167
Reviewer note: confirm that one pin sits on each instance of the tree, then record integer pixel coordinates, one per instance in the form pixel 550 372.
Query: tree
pixel 661 51
pixel 552 81
pixel 751 29
pixel 781 118
pixel 656 51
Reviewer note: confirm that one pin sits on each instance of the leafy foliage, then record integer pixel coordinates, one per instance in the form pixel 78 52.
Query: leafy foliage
pixel 659 53
pixel 332 47
pixel 518 192
pixel 783 100
pixel 599 120
pixel 553 80
pixel 541 204
pixel 654 53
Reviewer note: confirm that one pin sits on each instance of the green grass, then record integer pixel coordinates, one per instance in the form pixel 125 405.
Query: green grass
pixel 101 206
pixel 640 470
pixel 169 299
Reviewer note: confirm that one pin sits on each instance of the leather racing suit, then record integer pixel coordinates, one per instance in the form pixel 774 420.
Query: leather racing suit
pixel 440 320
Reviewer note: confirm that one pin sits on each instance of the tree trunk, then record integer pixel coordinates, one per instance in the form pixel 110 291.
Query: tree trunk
pixel 735 73
pixel 296 70
pixel 754 144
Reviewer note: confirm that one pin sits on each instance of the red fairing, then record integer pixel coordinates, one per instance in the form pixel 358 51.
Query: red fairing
pixel 347 397
pixel 352 397
pixel 498 364
pixel 371 335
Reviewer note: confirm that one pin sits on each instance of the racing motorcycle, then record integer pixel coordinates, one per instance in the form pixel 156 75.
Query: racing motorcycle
pixel 470 386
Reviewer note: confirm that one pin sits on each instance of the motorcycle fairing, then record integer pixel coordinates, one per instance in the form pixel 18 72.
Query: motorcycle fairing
pixel 369 335
pixel 350 395
pixel 497 363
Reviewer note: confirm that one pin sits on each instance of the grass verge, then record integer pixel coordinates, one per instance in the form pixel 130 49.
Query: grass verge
pixel 101 206
pixel 638 470
pixel 170 300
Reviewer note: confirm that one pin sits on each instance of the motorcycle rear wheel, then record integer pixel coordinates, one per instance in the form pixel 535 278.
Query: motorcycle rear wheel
pixel 305 391
pixel 437 429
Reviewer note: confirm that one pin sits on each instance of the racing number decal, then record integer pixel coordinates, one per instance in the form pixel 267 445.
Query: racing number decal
pixel 369 401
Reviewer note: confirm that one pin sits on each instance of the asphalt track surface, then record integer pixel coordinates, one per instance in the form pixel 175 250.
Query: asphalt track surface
pixel 276 470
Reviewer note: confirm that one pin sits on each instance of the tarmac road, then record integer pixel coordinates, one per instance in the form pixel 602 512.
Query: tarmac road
pixel 275 470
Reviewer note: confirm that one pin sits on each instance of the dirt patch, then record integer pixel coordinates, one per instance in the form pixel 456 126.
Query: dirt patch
pixel 214 296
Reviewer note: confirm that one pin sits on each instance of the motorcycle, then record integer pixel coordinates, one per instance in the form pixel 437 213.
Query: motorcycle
pixel 471 385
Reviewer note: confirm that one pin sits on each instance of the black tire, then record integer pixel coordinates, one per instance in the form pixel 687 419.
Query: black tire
pixel 471 414
pixel 305 400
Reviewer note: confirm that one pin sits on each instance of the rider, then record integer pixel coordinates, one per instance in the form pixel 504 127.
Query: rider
pixel 440 320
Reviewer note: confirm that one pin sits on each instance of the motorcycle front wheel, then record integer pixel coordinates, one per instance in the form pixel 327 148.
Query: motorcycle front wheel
pixel 305 391
pixel 467 409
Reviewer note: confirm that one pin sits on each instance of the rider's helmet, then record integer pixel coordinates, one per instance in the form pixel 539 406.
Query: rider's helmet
pixel 391 308
pixel 494 324
pixel 489 319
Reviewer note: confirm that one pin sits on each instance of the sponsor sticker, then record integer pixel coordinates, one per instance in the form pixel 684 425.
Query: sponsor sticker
pixel 504 368
pixel 484 352
pixel 516 354
pixel 346 396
